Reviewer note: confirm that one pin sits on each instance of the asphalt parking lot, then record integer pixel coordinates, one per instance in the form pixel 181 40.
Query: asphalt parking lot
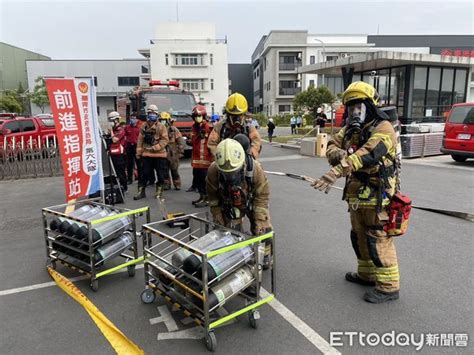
pixel 313 253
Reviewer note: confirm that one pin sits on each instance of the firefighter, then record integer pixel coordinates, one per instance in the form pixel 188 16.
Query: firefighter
pixel 117 147
pixel 202 157
pixel 237 187
pixel 132 130
pixel 235 122
pixel 364 152
pixel 175 150
pixel 151 147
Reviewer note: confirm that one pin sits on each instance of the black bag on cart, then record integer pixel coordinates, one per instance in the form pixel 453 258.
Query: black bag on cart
pixel 112 196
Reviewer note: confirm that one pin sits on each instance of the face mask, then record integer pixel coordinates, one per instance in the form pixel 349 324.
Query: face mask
pixel 235 120
pixel 112 124
pixel 133 121
pixel 233 179
pixel 153 117
pixel 198 119
pixel 356 116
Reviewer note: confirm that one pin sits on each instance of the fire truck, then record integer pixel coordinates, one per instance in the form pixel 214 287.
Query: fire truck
pixel 167 96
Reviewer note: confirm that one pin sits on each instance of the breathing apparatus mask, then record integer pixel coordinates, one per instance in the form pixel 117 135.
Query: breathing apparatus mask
pixel 237 198
pixel 235 120
pixel 357 113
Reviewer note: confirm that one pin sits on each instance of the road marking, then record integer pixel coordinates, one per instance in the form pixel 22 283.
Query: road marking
pixel 192 333
pixel 166 318
pixel 12 291
pixel 317 340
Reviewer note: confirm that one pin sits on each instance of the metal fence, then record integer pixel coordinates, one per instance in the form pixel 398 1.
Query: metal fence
pixel 29 159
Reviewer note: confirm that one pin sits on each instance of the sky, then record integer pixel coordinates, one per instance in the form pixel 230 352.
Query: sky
pixel 116 29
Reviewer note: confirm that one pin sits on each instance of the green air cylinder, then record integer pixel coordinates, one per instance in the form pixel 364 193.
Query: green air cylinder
pixel 114 246
pixel 57 221
pixel 104 230
pixel 206 240
pixel 192 262
pixel 95 213
pixel 230 285
pixel 219 264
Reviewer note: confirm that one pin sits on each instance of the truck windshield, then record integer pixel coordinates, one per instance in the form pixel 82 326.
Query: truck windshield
pixel 462 114
pixel 178 104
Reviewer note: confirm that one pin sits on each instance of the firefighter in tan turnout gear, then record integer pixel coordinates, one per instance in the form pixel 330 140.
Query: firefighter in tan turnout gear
pixel 237 187
pixel 364 152
pixel 236 108
pixel 175 149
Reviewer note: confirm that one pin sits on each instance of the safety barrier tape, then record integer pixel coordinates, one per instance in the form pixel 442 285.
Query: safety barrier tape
pixel 118 340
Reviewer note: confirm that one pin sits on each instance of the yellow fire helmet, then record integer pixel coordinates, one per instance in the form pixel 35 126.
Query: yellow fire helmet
pixel 236 104
pixel 360 90
pixel 152 108
pixel 165 116
pixel 230 156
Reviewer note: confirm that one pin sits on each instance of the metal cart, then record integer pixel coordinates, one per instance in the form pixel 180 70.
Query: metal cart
pixel 189 292
pixel 80 255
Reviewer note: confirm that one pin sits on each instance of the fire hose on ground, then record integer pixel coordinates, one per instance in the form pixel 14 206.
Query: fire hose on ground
pixel 463 215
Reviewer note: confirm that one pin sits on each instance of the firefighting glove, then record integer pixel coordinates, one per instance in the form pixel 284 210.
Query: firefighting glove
pixel 335 156
pixel 325 182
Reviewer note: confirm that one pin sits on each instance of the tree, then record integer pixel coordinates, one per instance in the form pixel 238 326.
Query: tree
pixel 39 96
pixel 9 102
pixel 313 98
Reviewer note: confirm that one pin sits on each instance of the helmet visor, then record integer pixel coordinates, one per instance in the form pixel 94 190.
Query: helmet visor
pixel 233 178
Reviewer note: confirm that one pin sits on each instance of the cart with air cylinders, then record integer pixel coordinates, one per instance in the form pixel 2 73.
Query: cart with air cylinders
pixel 200 280
pixel 87 235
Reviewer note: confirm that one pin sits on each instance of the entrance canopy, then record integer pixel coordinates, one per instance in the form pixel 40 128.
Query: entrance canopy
pixel 384 59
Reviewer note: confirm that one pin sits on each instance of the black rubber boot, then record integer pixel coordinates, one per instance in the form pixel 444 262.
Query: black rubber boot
pixel 203 203
pixel 376 296
pixel 141 193
pixel 201 197
pixel 355 278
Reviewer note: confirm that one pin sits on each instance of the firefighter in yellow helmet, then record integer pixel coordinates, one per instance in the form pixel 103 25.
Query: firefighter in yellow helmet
pixel 364 152
pixel 175 149
pixel 234 123
pixel 237 187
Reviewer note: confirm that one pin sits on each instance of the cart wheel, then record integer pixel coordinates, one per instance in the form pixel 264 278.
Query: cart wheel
pixel 253 316
pixel 131 270
pixel 148 296
pixel 211 341
pixel 95 285
pixel 51 263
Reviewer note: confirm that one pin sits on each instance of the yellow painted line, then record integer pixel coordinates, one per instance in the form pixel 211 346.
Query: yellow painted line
pixel 239 245
pixel 118 267
pixel 121 344
pixel 239 312
pixel 119 215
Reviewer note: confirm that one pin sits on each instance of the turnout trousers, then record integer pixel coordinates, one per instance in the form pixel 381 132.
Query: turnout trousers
pixel 375 251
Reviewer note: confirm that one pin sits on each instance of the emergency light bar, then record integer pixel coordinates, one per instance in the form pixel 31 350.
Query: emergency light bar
pixel 164 82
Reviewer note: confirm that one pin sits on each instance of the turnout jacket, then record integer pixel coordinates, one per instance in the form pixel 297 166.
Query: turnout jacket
pixel 223 130
pixel 370 164
pixel 152 141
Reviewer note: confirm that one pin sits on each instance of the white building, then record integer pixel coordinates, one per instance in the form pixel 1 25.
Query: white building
pixel 112 77
pixel 191 54
pixel 279 55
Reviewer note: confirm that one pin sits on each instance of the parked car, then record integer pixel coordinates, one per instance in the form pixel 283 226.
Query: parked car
pixel 7 116
pixel 26 130
pixel 458 137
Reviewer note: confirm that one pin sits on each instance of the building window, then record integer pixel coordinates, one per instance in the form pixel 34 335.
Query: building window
pixel 128 81
pixel 460 86
pixel 212 84
pixel 331 57
pixel 166 59
pixel 312 59
pixel 189 59
pixel 98 111
pixel 144 70
pixel 258 72
pixel 284 108
pixel 311 82
pixel 211 59
pixel 192 84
